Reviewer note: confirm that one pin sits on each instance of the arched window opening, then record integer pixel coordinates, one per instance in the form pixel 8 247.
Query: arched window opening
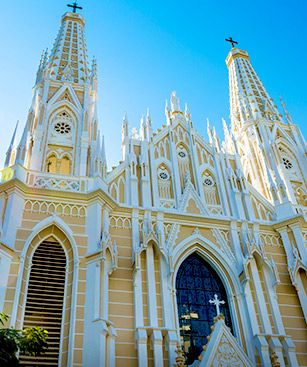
pixel 59 166
pixel 197 283
pixel 45 297
pixel 210 189
pixel 51 164
pixel 65 166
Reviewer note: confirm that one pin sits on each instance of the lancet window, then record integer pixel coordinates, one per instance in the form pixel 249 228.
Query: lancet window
pixel 45 297
pixel 184 164
pixel 294 175
pixel 196 284
pixel 58 165
pixel 210 189
pixel 165 186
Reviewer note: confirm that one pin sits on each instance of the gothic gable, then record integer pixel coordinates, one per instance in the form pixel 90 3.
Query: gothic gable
pixel 66 94
pixel 223 349
pixel 191 202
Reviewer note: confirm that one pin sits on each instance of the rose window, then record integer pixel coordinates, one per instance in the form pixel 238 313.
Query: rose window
pixel 181 154
pixel 163 175
pixel 208 181
pixel 287 163
pixel 62 127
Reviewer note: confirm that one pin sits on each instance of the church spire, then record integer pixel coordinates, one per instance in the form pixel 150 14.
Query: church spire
pixel 11 152
pixel 68 58
pixel 249 99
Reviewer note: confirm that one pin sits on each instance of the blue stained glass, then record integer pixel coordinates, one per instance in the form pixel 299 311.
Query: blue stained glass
pixel 196 283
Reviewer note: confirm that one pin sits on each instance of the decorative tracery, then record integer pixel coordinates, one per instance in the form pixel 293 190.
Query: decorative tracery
pixel 165 186
pixel 210 189
pixel 196 284
pixel 58 164
pixel 183 163
pixel 293 174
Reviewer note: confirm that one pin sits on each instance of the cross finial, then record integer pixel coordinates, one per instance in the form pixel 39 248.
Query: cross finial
pixel 74 6
pixel 231 41
pixel 216 303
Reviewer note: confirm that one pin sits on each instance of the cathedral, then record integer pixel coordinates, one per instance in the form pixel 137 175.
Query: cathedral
pixel 189 252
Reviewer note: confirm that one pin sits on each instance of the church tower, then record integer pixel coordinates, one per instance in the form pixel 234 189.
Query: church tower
pixel 61 134
pixel 272 148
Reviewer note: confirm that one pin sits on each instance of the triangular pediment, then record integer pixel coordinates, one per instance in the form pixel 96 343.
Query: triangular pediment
pixel 278 134
pixel 191 202
pixel 67 95
pixel 223 349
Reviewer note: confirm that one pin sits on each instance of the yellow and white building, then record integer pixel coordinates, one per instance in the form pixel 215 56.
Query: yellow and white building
pixel 120 266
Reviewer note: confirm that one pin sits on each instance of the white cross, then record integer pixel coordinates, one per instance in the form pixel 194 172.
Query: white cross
pixel 217 303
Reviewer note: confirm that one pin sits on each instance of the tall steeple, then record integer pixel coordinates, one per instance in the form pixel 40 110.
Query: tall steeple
pixel 265 140
pixel 249 99
pixel 61 133
pixel 68 57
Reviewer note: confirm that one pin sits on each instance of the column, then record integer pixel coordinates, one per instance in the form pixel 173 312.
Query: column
pixel 290 351
pixel 157 345
pixel 287 245
pixel 299 241
pixel 276 346
pixel 111 362
pixel 93 225
pixel 263 312
pixel 12 218
pixel 141 339
pixel 5 263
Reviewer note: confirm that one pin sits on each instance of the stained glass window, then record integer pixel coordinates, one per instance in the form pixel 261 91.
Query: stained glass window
pixel 196 283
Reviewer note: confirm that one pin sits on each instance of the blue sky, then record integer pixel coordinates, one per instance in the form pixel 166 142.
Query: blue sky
pixel 146 49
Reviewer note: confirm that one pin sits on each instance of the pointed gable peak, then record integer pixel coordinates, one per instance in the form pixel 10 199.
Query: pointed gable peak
pixel 66 95
pixel 223 348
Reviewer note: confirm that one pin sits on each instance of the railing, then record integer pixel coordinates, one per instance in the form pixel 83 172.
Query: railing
pixel 51 181
pixel 56 182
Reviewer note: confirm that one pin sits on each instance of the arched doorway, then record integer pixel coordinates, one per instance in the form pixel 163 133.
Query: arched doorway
pixel 197 283
pixel 45 299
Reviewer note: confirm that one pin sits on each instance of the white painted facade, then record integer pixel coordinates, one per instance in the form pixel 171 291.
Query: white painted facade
pixel 238 196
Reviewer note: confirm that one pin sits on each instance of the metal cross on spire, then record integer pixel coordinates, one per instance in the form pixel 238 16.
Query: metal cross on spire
pixel 231 41
pixel 216 303
pixel 74 6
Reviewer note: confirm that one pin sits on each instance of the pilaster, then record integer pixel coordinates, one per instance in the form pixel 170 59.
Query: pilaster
pixel 12 218
pixel 300 243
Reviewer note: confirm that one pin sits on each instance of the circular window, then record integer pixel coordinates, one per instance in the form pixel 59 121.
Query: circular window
pixel 62 128
pixel 287 163
pixel 181 154
pixel 208 181
pixel 163 175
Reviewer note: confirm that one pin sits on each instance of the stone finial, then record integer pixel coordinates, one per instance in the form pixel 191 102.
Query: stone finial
pixel 180 360
pixel 187 112
pixel 274 360
pixel 175 105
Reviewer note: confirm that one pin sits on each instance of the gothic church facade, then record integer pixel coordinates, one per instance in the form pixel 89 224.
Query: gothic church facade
pixel 129 267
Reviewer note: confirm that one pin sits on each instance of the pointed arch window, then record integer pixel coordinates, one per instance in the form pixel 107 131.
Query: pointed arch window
pixel 51 165
pixel 196 283
pixel 65 166
pixel 45 298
